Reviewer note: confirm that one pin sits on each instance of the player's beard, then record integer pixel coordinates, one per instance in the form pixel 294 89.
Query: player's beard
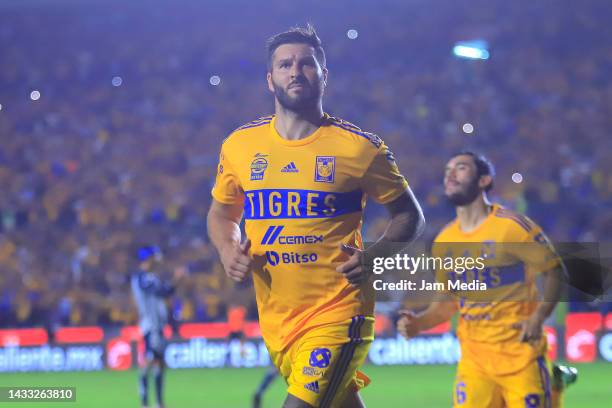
pixel 467 196
pixel 301 102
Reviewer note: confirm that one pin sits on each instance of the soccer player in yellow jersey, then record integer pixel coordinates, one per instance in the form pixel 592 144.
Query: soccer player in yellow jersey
pixel 503 346
pixel 300 179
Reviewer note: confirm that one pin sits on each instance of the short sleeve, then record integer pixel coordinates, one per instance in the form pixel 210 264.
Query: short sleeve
pixel 382 180
pixel 535 250
pixel 227 188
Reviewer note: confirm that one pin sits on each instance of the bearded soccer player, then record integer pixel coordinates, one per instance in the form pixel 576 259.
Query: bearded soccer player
pixel 503 346
pixel 300 179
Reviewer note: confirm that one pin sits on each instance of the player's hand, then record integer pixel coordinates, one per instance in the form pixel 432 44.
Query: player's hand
pixel 408 325
pixel 531 330
pixel 353 269
pixel 237 262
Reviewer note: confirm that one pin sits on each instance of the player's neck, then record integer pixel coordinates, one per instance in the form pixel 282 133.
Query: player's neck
pixel 472 215
pixel 292 125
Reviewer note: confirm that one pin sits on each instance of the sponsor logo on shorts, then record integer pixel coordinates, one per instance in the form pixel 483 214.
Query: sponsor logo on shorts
pixel 312 372
pixel 532 401
pixel 313 386
pixel 320 358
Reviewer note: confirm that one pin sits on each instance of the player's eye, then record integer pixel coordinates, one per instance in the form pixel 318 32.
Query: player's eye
pixel 284 65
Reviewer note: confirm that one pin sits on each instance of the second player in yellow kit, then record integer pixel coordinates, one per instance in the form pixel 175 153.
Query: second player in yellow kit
pixel 300 179
pixel 497 369
pixel 500 329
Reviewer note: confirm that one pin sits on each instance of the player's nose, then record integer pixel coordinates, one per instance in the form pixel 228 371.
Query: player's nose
pixel 451 176
pixel 296 71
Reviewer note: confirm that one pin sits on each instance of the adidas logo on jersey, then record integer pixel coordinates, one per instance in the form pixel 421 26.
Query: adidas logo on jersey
pixel 290 168
pixel 313 386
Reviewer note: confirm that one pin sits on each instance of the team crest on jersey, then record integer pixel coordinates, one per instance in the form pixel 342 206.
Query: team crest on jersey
pixel 325 169
pixel 259 166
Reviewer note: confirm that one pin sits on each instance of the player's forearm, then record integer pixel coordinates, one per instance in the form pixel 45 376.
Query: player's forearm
pixel 405 226
pixel 437 313
pixel 223 232
pixel 400 230
pixel 551 293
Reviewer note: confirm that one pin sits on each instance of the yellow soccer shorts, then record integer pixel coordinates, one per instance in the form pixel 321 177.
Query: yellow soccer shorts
pixel 527 388
pixel 320 367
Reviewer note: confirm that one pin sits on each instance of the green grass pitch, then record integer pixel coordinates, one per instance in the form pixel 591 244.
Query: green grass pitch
pixel 397 386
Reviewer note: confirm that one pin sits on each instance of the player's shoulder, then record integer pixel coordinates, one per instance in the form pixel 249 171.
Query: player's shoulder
pixel 138 278
pixel 513 220
pixel 354 133
pixel 134 277
pixel 248 129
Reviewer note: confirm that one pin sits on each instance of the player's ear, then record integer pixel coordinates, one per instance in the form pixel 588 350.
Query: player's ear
pixel 325 74
pixel 269 79
pixel 484 181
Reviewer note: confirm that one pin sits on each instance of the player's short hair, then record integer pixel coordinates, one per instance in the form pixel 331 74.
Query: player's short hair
pixel 297 35
pixel 484 166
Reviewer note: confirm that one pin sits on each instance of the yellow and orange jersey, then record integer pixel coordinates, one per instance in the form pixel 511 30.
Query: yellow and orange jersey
pixel 514 251
pixel 302 199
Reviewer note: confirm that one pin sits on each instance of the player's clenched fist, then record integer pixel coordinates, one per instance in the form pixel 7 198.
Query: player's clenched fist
pixel 408 325
pixel 237 262
pixel 353 268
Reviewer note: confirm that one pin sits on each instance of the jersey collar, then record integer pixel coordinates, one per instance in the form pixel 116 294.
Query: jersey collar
pixel 300 142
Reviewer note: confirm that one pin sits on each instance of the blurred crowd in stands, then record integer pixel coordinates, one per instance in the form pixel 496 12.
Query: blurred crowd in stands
pixel 121 147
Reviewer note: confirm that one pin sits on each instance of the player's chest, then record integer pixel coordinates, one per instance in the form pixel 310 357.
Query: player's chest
pixel 311 167
pixel 489 244
pixel 311 181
